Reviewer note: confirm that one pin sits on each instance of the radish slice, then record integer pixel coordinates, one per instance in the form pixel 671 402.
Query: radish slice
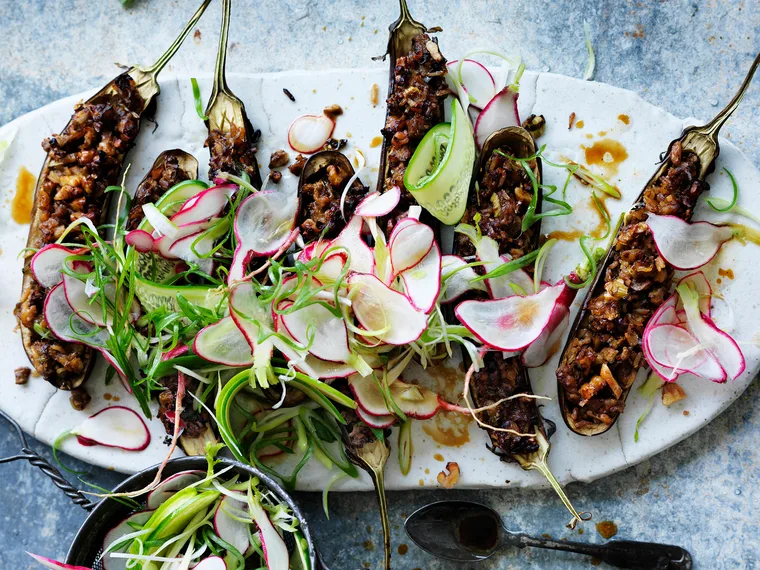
pixel 330 337
pixel 141 240
pixel 477 81
pixel 547 344
pixel 116 426
pixel 114 535
pixel 409 245
pixel 458 281
pixel 415 401
pixel 499 112
pixel 183 249
pixel 323 370
pixel 47 264
pixel 171 485
pixel 202 206
pixel 362 259
pixel 68 326
pixel 378 307
pixel 377 422
pixel 275 550
pixel 422 282
pixel 676 348
pixel 332 267
pixel 212 563
pixel 510 324
pixel 162 244
pixel 161 224
pixel 223 343
pixel 54 564
pixel 684 245
pixel 703 289
pixel 308 133
pixel 228 528
pixel 375 205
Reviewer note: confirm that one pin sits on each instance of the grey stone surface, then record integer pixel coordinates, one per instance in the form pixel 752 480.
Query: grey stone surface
pixel 685 56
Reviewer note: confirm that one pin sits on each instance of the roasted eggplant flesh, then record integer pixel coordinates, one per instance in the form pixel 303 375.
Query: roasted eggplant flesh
pixel 82 161
pixel 194 422
pixel 321 185
pixel 604 352
pixel 233 150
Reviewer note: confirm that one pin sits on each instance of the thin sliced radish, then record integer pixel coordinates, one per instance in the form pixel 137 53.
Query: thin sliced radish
pixel 54 564
pixel 163 244
pixel 171 485
pixel 115 426
pixel 458 281
pixel 212 563
pixel 499 112
pixel 684 245
pixel 223 343
pixel 92 312
pixel 323 370
pixel 409 245
pixel 47 264
pixel 114 535
pixel 228 528
pixel 308 133
pixel 415 401
pixel 703 289
pixel 676 348
pixel 362 259
pixel 328 333
pixel 191 248
pixel 422 283
pixel 178 350
pixel 547 344
pixel 504 286
pixel 68 326
pixel 477 81
pixel 275 550
pixel 141 240
pixel 510 324
pixel 375 205
pixel 378 307
pixel 203 206
pixel 161 224
pixel 332 267
pixel 377 422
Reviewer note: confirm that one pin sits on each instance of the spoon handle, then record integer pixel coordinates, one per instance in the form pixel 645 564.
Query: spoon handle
pixel 622 553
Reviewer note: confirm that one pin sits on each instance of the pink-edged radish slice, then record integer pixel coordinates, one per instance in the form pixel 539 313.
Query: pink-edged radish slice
pixel 499 112
pixel 548 342
pixel 702 287
pixel 228 528
pixel 377 422
pixel 362 259
pixel 191 248
pixel 684 245
pixel 92 312
pixel 674 347
pixel 203 206
pixel 169 486
pixel 329 334
pixel 141 240
pixel 380 308
pixel 509 324
pixel 504 286
pixel 457 278
pixel 223 343
pixel 68 326
pixel 477 81
pixel 308 133
pixel 332 267
pixel 410 245
pixel 113 536
pixel 666 313
pixel 275 549
pixel 375 205
pixel 54 564
pixel 415 401
pixel 422 283
pixel 212 563
pixel 179 350
pixel 115 426
pixel 47 264
pixel 162 244
pixel 324 370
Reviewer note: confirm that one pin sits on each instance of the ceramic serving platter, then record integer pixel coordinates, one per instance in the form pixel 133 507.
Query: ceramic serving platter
pixel 639 133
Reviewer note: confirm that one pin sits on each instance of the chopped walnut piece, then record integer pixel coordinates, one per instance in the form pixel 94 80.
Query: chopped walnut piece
pixel 672 393
pixel 435 53
pixel 278 159
pixel 448 480
pixel 22 374
pixel 333 111
pixel 609 379
pixel 275 176
pixel 373 94
pixel 298 165
pixel 535 125
pixel 571 121
pixel 79 398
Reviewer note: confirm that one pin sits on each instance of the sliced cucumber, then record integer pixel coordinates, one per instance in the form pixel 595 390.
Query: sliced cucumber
pixel 156 295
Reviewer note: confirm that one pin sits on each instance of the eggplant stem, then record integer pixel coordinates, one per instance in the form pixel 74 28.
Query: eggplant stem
pixel 711 129
pixel 537 462
pixel 220 80
pixel 378 479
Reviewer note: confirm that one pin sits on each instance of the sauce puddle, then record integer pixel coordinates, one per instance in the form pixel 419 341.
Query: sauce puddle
pixel 21 207
pixel 607 153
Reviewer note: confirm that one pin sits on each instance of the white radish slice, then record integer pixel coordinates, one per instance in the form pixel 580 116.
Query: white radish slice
pixel 499 112
pixel 275 550
pixel 362 259
pixel 115 426
pixel 702 287
pixel 477 81
pixel 548 342
pixel 376 204
pixel 330 337
pixel 378 307
pixel 183 249
pixel 141 240
pixel 409 245
pixel 666 313
pixel 684 245
pixel 509 324
pixel 92 312
pixel 163 244
pixel 422 283
pixel 114 535
pixel 202 206
pixel 377 422
pixel 228 528
pixel 68 326
pixel 161 224
pixel 308 133
pixel 415 401
pixel 332 267
pixel 324 370
pixel 223 343
pixel 171 485
pixel 54 564
pixel 487 251
pixel 458 281
pixel 676 348
pixel 212 563
pixel 47 264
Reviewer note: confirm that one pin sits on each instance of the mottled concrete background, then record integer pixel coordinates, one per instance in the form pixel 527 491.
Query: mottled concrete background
pixel 685 56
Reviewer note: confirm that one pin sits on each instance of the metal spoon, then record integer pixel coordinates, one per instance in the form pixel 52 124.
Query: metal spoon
pixel 468 532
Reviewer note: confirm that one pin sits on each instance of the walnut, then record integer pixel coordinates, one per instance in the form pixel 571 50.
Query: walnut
pixel 448 480
pixel 333 111
pixel 672 393
pixel 278 159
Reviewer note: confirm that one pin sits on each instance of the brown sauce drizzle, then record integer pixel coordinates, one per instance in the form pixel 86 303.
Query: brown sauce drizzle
pixel 376 142
pixel 625 119
pixel 607 153
pixel 21 207
pixel 607 529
